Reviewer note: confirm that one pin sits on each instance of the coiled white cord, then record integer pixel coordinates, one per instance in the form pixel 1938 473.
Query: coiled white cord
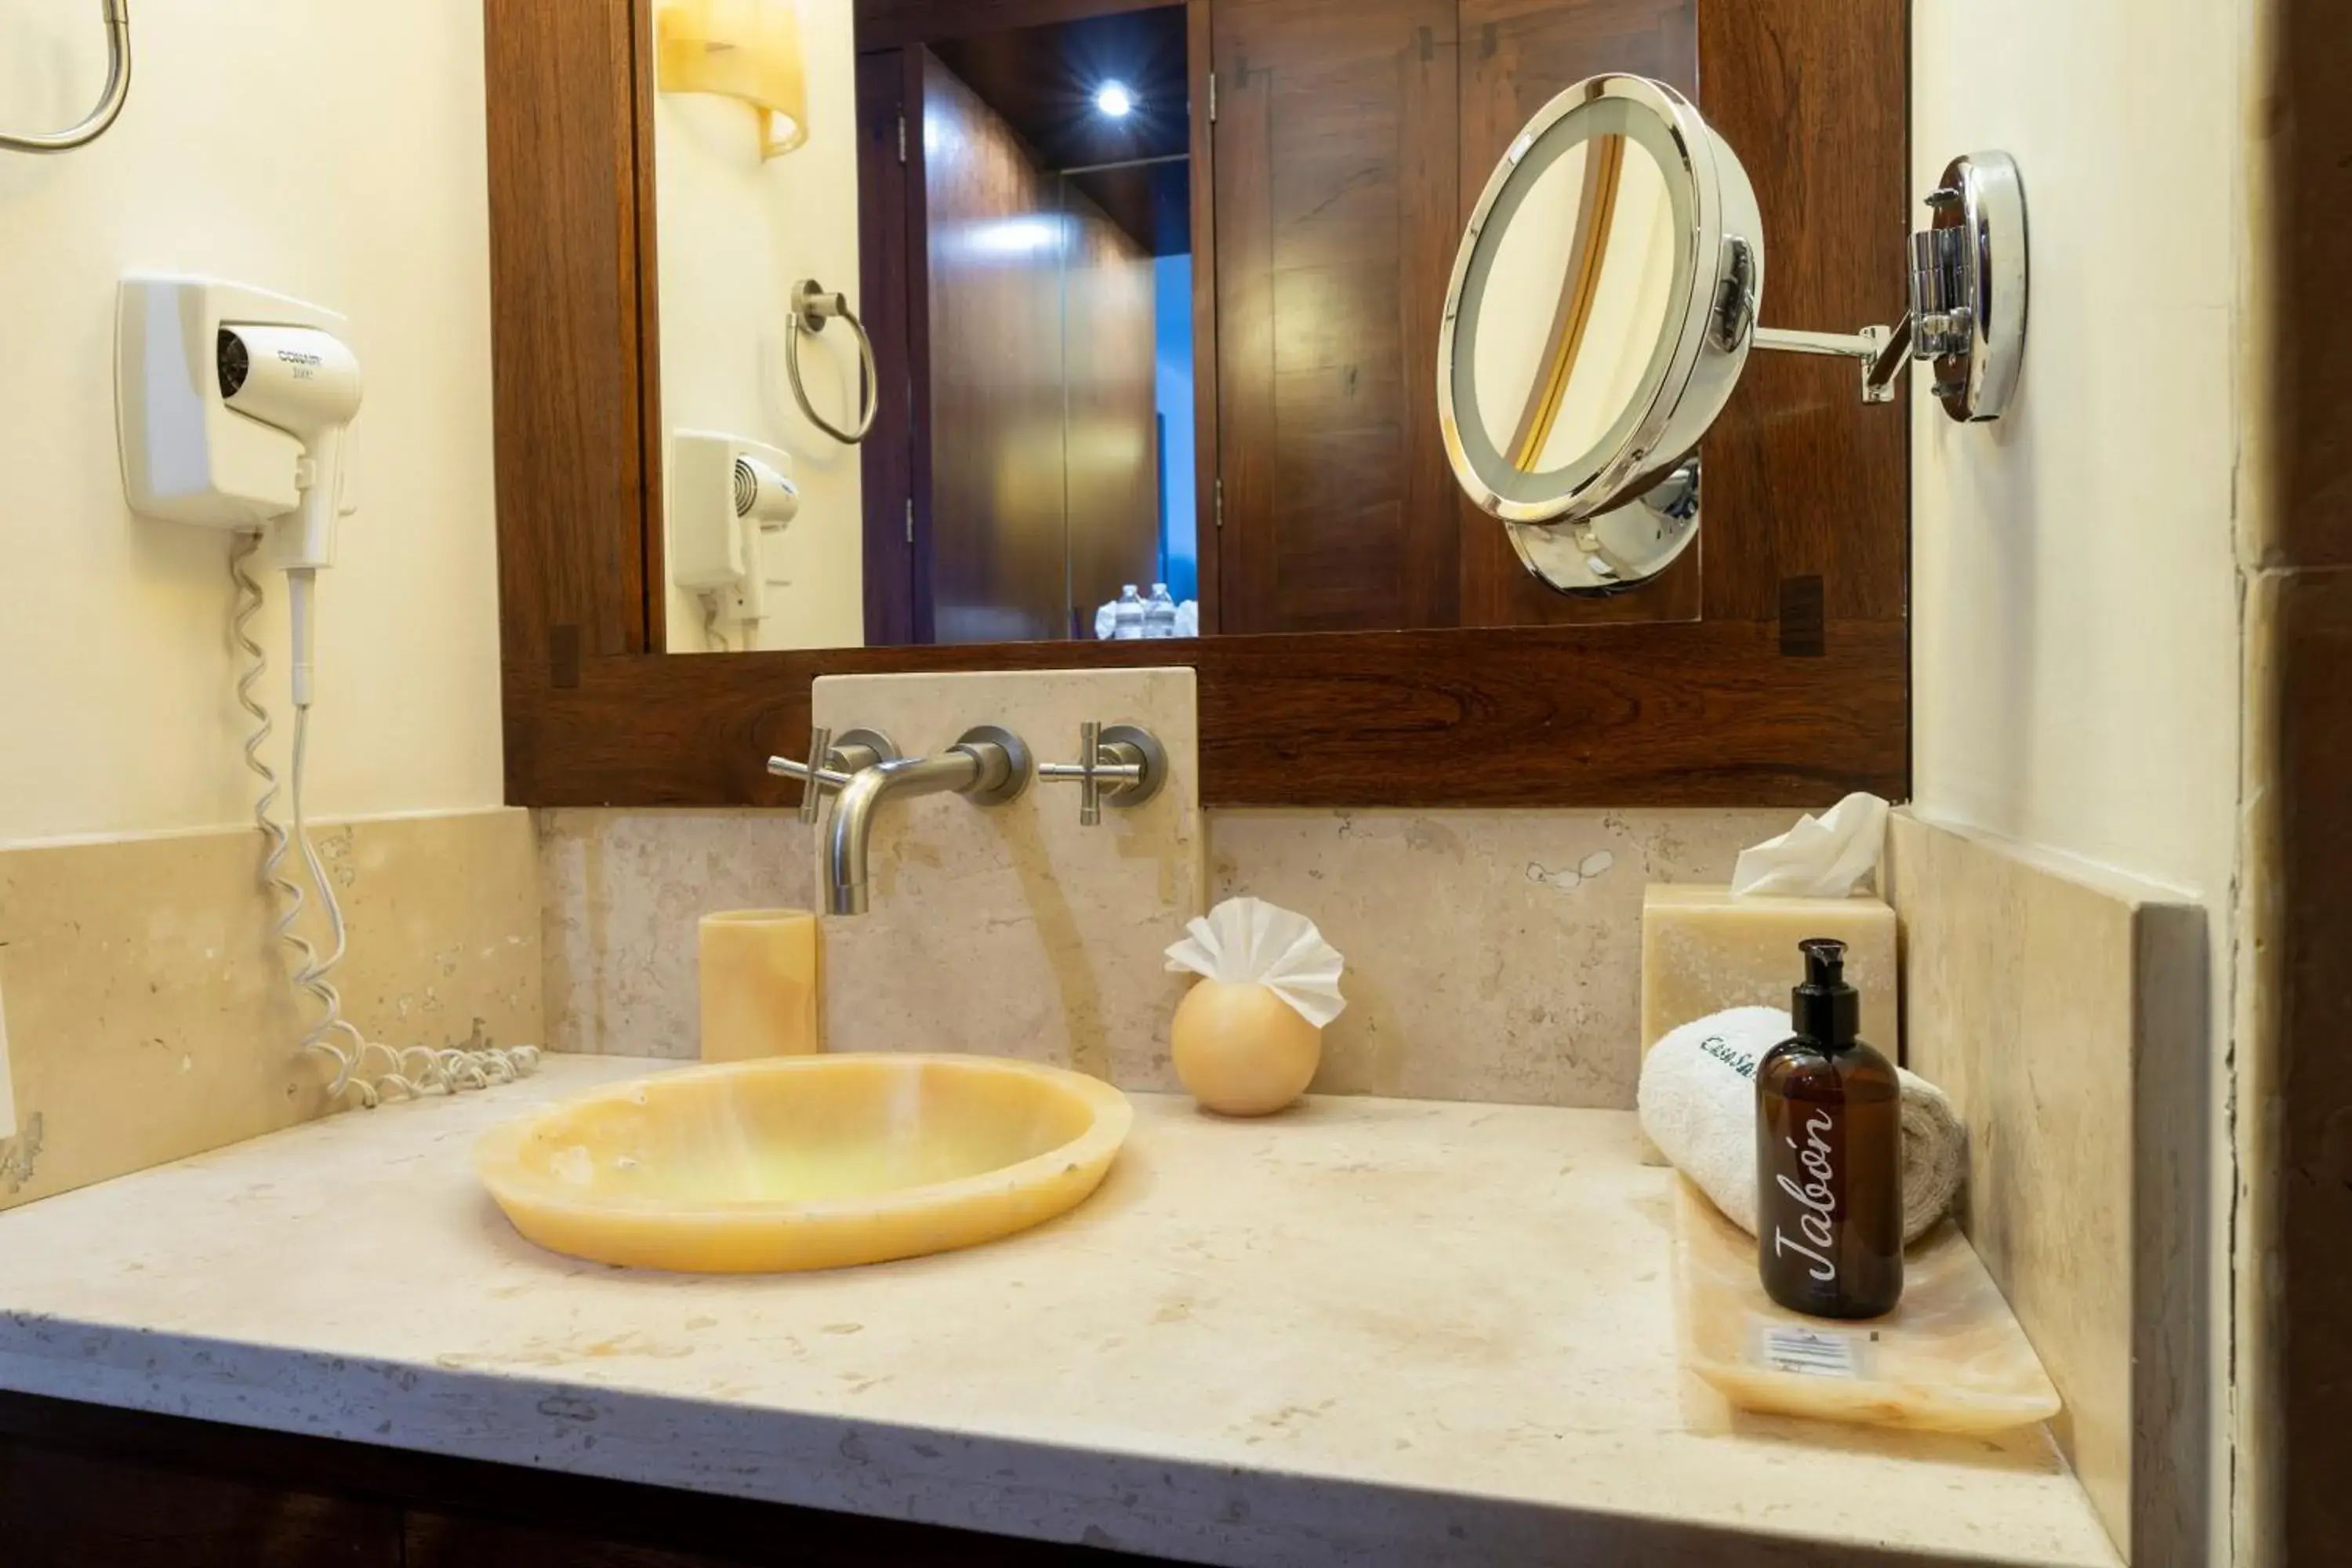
pixel 412 1071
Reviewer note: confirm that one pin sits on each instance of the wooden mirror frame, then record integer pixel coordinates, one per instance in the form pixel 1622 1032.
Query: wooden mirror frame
pixel 1790 687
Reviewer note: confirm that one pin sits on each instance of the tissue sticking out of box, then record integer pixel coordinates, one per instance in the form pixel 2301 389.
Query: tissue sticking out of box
pixel 1822 858
pixel 1245 941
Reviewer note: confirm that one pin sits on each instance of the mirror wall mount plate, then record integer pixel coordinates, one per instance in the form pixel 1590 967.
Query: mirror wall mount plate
pixel 1603 302
pixel 1968 285
pixel 1968 298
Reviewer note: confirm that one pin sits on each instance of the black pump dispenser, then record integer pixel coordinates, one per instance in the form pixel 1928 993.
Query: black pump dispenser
pixel 1825 1008
pixel 1829 1154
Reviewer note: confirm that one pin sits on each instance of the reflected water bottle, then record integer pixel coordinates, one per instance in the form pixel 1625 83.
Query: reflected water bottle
pixel 1160 615
pixel 1127 616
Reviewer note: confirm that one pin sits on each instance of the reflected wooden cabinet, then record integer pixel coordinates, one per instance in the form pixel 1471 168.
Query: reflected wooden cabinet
pixel 1337 217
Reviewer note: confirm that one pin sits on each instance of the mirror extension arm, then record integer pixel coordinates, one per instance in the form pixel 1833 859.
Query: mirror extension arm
pixel 1883 354
pixel 1968 298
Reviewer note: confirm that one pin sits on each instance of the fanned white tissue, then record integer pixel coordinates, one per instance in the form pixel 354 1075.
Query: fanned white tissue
pixel 1247 942
pixel 1820 857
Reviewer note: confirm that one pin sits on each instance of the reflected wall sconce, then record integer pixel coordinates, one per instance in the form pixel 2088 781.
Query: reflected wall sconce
pixel 748 50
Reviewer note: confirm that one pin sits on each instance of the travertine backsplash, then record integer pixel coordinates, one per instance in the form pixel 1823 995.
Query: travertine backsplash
pixel 2063 1008
pixel 621 891
pixel 149 1014
pixel 1491 955
pixel 1016 929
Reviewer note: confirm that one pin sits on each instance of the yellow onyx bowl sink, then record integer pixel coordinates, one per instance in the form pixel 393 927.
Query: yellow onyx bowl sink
pixel 804 1162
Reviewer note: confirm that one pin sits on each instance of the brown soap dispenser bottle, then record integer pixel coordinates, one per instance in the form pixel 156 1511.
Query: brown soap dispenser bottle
pixel 1828 1155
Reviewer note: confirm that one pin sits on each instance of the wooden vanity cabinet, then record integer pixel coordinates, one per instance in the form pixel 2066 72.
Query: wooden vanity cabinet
pixel 85 1487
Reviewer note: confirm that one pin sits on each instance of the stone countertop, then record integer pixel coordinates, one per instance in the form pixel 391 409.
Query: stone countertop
pixel 1365 1333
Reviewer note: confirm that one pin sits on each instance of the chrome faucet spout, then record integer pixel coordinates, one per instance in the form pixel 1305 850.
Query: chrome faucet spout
pixel 988 766
pixel 853 816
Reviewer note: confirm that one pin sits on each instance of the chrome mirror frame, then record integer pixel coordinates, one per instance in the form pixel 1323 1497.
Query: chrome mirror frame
pixel 1557 537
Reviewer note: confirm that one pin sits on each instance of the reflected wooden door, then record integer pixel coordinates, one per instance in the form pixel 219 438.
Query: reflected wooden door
pixel 894 459
pixel 1336 216
pixel 1353 140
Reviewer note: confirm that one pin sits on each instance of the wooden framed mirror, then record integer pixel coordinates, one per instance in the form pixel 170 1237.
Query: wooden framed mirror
pixel 1370 638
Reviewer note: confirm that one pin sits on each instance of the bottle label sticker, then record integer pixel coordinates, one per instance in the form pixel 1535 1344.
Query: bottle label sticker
pixel 1808 1352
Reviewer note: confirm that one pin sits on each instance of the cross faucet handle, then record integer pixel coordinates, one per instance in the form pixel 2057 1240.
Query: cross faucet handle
pixel 830 767
pixel 1125 764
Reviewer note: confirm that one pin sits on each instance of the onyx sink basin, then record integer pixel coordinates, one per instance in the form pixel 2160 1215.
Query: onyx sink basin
pixel 813 1161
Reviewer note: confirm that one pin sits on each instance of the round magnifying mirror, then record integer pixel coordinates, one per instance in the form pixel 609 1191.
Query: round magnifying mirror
pixel 1599 313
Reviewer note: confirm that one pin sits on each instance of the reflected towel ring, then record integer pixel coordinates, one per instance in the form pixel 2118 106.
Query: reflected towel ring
pixel 811 306
pixel 111 98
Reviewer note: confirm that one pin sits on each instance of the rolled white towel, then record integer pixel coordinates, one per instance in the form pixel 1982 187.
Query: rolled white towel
pixel 1698 1102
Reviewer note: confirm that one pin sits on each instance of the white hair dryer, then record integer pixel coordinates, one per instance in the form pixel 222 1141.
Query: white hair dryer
pixel 234 406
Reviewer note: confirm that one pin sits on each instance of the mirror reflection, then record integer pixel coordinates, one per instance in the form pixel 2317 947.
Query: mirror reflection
pixel 1060 340
pixel 1112 397
pixel 1007 218
pixel 1591 248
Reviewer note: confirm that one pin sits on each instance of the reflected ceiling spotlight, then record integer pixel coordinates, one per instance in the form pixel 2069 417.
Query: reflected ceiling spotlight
pixel 1114 100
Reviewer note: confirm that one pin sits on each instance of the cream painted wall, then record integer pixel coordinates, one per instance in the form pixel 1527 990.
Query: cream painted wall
pixel 2074 594
pixel 736 232
pixel 2076 569
pixel 330 151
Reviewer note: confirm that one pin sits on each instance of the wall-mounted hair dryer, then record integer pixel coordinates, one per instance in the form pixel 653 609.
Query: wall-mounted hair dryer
pixel 763 496
pixel 305 382
pixel 726 495
pixel 234 405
